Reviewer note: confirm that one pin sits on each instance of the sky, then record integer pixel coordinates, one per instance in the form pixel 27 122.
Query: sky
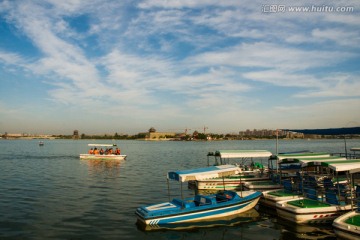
pixel 106 66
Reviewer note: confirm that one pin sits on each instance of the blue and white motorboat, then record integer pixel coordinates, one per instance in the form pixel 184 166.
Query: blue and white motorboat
pixel 199 207
pixel 251 215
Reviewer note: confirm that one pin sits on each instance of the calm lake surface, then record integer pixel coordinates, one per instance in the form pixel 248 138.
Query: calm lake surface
pixel 49 193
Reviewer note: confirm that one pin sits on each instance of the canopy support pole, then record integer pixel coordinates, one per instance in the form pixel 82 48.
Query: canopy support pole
pixel 223 178
pixel 167 179
pixel 181 189
pixel 345 146
pixel 277 141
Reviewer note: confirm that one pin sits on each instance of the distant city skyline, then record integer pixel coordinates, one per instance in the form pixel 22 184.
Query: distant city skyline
pixel 124 66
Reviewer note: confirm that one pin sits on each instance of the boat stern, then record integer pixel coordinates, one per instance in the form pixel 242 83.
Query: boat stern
pixel 146 214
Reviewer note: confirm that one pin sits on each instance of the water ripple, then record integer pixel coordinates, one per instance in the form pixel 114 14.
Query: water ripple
pixel 49 193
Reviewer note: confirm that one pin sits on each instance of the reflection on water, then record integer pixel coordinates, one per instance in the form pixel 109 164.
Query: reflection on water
pixel 101 166
pixel 305 231
pixel 228 221
pixel 49 193
pixel 292 230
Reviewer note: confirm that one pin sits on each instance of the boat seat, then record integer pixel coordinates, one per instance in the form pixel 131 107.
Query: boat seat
pixel 182 203
pixel 333 198
pixel 299 185
pixel 311 193
pixel 357 191
pixel 287 185
pixel 328 183
pixel 275 178
pixel 202 200
pixel 344 189
pixel 223 197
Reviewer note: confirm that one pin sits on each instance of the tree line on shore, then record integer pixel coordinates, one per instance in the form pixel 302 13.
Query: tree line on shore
pixel 198 136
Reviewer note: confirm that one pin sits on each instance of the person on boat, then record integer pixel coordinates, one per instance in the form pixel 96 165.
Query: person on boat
pixel 228 196
pixel 96 151
pixel 117 151
pixel 101 151
pixel 91 151
pixel 110 151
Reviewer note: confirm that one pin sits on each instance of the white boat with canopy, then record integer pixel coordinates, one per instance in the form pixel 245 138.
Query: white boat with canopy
pixel 250 162
pixel 245 156
pixel 287 166
pixel 347 226
pixel 97 152
pixel 291 188
pixel 336 199
pixel 200 207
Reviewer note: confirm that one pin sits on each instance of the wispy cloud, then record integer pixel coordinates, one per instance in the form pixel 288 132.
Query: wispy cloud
pixel 159 59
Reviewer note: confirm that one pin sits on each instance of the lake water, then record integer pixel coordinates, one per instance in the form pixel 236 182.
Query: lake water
pixel 49 193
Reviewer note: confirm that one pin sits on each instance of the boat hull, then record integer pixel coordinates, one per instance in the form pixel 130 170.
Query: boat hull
pixel 195 214
pixel 345 228
pixel 102 157
pixel 229 220
pixel 261 186
pixel 226 183
pixel 324 213
pixel 271 197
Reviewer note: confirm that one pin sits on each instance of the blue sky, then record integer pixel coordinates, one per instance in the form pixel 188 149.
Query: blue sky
pixel 104 66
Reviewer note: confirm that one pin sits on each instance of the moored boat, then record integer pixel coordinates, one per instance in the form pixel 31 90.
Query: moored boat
pixel 292 187
pixel 318 206
pixel 347 226
pixel 249 161
pixel 263 185
pixel 225 221
pixel 98 153
pixel 271 197
pixel 286 166
pixel 199 207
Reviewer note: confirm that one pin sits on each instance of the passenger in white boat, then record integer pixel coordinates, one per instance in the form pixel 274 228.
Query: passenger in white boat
pixel 117 151
pixel 96 151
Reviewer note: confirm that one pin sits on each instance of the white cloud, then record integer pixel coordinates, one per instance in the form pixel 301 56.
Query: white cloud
pixel 338 85
pixel 340 36
pixel 183 58
pixel 268 55
pixel 322 114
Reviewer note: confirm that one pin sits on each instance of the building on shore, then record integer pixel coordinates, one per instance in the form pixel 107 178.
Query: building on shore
pixel 75 135
pixel 152 134
pixel 263 133
pixel 26 136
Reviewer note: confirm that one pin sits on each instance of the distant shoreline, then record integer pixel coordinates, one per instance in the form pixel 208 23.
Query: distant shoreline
pixel 173 139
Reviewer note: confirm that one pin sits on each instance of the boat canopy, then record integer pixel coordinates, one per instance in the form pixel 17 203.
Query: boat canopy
pixel 204 173
pixel 242 153
pixel 304 162
pixel 101 145
pixel 351 166
pixel 295 157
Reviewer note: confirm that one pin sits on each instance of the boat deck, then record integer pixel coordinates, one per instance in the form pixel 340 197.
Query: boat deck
pixel 308 203
pixel 355 220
